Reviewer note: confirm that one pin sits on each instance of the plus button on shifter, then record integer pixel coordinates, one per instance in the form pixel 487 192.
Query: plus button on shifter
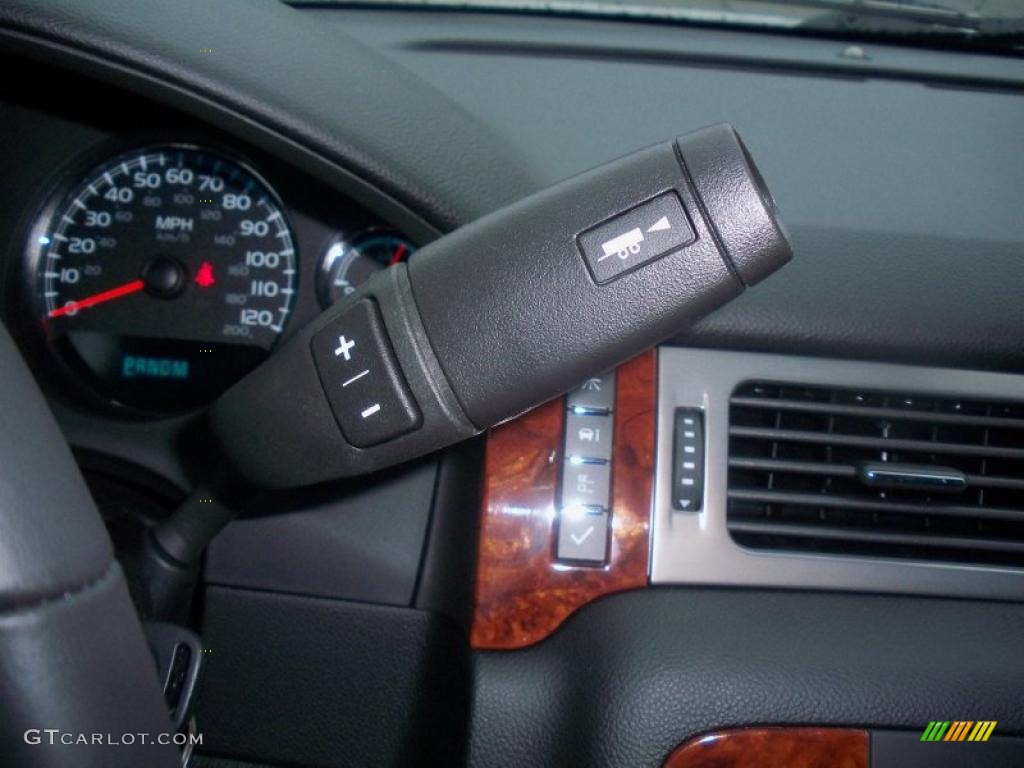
pixel 344 345
pixel 364 385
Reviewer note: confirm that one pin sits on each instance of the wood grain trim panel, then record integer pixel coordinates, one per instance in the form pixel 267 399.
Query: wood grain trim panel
pixel 775 748
pixel 521 594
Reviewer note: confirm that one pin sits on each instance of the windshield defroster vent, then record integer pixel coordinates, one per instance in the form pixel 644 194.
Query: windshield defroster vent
pixel 882 474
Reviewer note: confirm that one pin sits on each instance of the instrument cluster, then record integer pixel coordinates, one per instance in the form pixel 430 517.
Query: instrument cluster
pixel 155 276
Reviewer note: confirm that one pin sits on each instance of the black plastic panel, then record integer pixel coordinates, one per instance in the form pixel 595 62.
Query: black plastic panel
pixel 357 541
pixel 449 557
pixel 310 682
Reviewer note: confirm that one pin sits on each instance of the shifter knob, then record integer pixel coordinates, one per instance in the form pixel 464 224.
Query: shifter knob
pixel 508 312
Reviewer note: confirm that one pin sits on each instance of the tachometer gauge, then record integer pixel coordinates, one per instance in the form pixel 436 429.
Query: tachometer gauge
pixel 163 276
pixel 348 264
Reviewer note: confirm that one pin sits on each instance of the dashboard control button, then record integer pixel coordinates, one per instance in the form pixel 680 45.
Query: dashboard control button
pixel 585 484
pixel 588 437
pixel 636 237
pixel 583 535
pixel 362 380
pixel 688 460
pixel 595 395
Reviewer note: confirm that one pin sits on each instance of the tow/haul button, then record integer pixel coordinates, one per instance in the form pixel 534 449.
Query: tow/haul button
pixel 636 237
pixel 361 378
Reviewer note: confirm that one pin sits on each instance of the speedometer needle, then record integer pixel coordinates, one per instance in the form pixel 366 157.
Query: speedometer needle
pixel 398 254
pixel 98 298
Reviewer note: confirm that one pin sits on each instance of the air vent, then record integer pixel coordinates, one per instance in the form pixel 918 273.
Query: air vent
pixel 881 474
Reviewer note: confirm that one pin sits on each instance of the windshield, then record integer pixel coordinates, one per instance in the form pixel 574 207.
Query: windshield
pixel 994 25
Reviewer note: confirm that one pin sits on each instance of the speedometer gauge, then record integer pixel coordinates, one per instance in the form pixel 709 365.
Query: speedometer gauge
pixel 163 276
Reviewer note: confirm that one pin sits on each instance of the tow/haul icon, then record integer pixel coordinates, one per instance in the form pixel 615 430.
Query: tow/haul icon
pixel 623 245
pixel 629 243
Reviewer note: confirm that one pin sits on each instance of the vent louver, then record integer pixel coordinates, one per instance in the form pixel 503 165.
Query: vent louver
pixel 881 474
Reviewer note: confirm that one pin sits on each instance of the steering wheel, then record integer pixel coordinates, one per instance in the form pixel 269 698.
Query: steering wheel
pixel 74 663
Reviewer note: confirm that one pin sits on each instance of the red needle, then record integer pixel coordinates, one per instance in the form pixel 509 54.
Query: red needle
pixel 98 298
pixel 398 254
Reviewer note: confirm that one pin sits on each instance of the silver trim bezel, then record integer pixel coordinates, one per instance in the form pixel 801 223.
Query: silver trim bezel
pixel 695 547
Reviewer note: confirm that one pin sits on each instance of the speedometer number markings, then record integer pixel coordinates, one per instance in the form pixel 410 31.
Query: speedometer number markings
pixel 162 251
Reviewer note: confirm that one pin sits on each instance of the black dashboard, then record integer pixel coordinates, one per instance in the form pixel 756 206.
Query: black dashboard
pixel 368 133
